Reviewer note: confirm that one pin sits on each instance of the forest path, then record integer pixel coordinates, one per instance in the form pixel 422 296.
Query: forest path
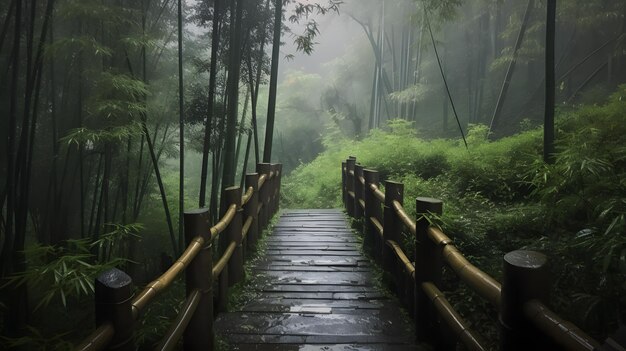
pixel 313 289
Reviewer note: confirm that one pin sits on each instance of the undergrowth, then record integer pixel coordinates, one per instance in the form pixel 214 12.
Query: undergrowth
pixel 500 196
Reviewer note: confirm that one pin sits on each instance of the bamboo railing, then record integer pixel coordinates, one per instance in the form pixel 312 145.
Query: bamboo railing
pixel 526 323
pixel 239 228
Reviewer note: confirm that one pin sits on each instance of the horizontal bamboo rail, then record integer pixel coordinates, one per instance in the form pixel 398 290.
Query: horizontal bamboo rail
pixel 526 323
pixel 99 338
pixel 116 307
pixel 451 317
pixel 165 280
pixel 401 257
pixel 487 287
pixel 378 226
pixel 177 328
pixel 554 326
pixel 223 261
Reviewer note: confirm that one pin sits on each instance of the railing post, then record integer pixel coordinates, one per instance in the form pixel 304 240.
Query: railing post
pixel 372 209
pixel 113 295
pixel 428 266
pixel 392 227
pixel 350 163
pixel 264 168
pixel 343 185
pixel 222 293
pixel 199 276
pixel 274 188
pixel 525 277
pixel 236 272
pixel 278 185
pixel 251 209
pixel 358 191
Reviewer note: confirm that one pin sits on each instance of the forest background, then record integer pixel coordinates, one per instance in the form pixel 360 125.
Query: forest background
pixel 98 162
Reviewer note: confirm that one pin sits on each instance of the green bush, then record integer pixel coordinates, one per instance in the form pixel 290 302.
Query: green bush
pixel 500 196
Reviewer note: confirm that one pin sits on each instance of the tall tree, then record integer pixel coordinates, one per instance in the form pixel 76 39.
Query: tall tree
pixel 234 69
pixel 181 128
pixel 509 72
pixel 215 40
pixel 271 105
pixel 548 125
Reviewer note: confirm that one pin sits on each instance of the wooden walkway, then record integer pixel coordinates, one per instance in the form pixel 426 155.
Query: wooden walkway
pixel 314 290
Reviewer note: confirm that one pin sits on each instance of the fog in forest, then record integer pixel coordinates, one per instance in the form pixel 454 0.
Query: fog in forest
pixel 118 117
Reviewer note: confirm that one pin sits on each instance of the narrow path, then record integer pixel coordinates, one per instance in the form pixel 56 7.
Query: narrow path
pixel 314 290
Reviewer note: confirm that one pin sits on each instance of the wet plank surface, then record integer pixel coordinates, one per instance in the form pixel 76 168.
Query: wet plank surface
pixel 314 290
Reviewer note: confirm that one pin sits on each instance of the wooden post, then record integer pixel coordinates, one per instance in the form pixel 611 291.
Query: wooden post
pixel 392 228
pixel 525 277
pixel 264 169
pixel 428 266
pixel 236 272
pixel 251 209
pixel 350 163
pixel 274 189
pixel 278 185
pixel 113 295
pixel 343 184
pixel 358 191
pixel 199 276
pixel 222 294
pixel 372 209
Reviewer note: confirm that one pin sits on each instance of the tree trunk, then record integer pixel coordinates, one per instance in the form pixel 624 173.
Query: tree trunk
pixel 157 173
pixel 511 68
pixel 215 40
pixel 548 126
pixel 228 175
pixel 255 91
pixel 240 129
pixel 181 128
pixel 271 105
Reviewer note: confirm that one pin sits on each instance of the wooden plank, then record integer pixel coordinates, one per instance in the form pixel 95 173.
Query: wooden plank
pixel 314 290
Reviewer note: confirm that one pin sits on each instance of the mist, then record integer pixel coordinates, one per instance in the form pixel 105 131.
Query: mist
pixel 128 127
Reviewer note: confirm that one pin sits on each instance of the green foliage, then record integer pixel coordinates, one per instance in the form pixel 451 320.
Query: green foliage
pixel 37 341
pixel 89 137
pixel 500 196
pixel 68 271
pixel 158 316
pixel 414 93
pixel 70 46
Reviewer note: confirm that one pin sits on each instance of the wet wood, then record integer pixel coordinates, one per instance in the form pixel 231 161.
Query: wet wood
pixel 313 289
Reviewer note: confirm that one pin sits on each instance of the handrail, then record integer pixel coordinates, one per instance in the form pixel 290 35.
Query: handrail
pixel 363 197
pixel 98 339
pixel 259 203
pixel 378 193
pixel 262 180
pixel 246 197
pixel 175 332
pixel 451 317
pixel 564 333
pixel 164 281
pixel 224 222
pixel 377 225
pixel 408 266
pixel 479 281
pixel 408 222
pixel 221 263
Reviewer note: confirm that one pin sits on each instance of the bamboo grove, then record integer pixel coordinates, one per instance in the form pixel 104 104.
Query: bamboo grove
pixel 95 97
